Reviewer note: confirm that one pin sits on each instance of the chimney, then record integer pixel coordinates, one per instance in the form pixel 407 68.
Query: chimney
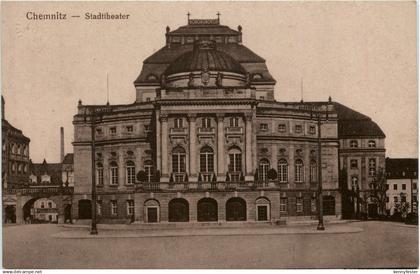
pixel 61 144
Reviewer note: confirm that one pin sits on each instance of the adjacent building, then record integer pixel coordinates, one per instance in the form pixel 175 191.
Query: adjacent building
pixel 402 178
pixel 205 141
pixel 15 155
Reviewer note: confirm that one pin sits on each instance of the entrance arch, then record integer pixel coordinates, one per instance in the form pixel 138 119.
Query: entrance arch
pixel 236 209
pixel 85 209
pixel 179 210
pixel 207 210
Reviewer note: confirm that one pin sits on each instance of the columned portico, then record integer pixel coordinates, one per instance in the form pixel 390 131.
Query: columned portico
pixel 193 148
pixel 220 147
pixel 164 147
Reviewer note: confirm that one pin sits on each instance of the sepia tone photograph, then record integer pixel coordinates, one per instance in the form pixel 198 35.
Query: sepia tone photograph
pixel 209 135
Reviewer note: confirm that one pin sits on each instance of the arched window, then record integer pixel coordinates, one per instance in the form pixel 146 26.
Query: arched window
pixel 130 173
pixel 298 171
pixel 99 174
pixel 178 163
pixel 263 167
pixel 114 173
pixel 148 168
pixel 313 172
pixel 235 163
pixel 206 162
pixel 283 169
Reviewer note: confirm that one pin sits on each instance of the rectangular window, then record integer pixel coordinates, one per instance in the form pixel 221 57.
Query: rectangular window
pixel 99 207
pixel 99 131
pixel 130 207
pixel 206 122
pixel 312 130
pixel 234 122
pixel 354 144
pixel 283 205
pixel 129 128
pixel 49 205
pixel 299 205
pixel 414 186
pixel 395 187
pixel 372 166
pixel 372 144
pixel 131 175
pixel 235 162
pixel 264 127
pixel 114 208
pixel 282 128
pixel 112 130
pixel 100 176
pixel 114 175
pixel 178 123
pixel 298 128
pixel 354 163
pixel 395 199
pixel 403 187
pixel 313 175
pixel 313 205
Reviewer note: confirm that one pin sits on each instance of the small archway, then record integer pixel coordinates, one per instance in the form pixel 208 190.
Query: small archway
pixel 85 209
pixel 178 210
pixel 207 210
pixel 236 209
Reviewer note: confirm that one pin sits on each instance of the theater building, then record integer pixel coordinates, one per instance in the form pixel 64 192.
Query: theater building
pixel 205 141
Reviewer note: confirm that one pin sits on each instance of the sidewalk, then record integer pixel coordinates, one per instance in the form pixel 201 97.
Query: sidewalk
pixel 221 231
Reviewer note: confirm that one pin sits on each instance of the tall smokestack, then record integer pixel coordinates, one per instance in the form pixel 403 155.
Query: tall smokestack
pixel 61 144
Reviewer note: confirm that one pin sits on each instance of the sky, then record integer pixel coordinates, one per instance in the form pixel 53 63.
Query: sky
pixel 362 54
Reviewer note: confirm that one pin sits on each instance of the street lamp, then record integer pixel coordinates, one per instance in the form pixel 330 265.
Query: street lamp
pixel 320 202
pixel 94 113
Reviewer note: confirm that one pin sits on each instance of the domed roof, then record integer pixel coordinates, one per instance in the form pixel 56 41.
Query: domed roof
pixel 205 56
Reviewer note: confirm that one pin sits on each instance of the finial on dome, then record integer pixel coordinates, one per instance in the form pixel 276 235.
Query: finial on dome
pixel 218 16
pixel 329 99
pixel 168 29
pixel 80 102
pixel 240 28
pixel 188 17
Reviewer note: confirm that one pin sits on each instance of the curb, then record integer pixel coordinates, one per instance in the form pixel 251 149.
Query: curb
pixel 257 232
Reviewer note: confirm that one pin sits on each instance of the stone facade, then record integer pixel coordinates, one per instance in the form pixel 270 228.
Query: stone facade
pixel 206 141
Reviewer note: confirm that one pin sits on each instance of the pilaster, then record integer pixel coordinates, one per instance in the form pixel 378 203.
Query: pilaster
pixel 193 148
pixel 220 147
pixel 164 147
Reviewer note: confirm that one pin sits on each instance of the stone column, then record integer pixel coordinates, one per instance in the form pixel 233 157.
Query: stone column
pixel 164 147
pixel 220 148
pixel 193 148
pixel 248 147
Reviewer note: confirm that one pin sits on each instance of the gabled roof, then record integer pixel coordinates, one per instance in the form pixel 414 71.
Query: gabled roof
pixel 401 168
pixel 53 170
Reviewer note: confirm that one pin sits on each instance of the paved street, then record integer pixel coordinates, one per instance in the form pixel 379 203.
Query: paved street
pixel 378 245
